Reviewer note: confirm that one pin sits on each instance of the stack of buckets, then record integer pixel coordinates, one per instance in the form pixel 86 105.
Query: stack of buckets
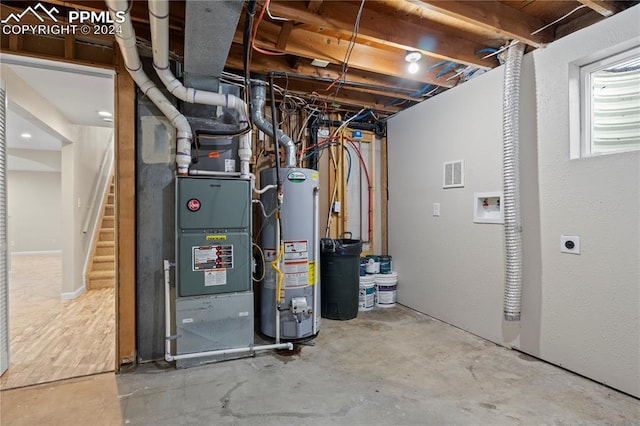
pixel 378 283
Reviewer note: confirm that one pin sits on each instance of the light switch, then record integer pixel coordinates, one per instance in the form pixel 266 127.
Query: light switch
pixel 436 209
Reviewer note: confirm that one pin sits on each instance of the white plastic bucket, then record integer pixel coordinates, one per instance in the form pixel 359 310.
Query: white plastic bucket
pixel 373 265
pixel 367 293
pixel 386 287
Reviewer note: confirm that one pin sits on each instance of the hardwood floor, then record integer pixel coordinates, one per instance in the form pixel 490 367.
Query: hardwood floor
pixel 52 339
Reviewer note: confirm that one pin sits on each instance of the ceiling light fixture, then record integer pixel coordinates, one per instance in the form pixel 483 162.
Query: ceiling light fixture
pixel 26 135
pixel 107 119
pixel 104 114
pixel 413 57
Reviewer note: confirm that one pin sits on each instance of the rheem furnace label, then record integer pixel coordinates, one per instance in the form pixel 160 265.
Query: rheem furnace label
pixel 214 262
pixel 212 257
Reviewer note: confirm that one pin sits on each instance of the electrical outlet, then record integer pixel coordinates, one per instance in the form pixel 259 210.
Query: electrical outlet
pixel 570 244
pixel 436 209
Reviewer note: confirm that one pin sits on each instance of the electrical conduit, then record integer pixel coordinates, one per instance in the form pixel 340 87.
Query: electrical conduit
pixel 127 42
pixel 511 170
pixel 159 22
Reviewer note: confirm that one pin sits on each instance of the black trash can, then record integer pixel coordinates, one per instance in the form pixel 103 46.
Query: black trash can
pixel 340 277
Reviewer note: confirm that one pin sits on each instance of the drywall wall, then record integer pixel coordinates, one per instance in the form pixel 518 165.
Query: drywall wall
pixel 81 162
pixel 34 214
pixel 31 104
pixel 449 266
pixel 589 313
pixel 581 312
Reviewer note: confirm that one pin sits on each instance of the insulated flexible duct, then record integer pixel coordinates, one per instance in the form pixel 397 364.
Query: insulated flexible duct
pixel 511 170
pixel 258 99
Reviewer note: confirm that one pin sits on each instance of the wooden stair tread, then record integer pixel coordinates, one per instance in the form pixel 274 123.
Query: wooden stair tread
pixel 104 258
pixel 101 274
pixel 106 244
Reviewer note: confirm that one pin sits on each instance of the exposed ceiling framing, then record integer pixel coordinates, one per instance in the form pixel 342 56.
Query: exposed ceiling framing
pixel 456 39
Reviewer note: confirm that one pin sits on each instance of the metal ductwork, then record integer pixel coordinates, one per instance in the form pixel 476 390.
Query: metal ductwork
pixel 511 170
pixel 204 88
pixel 208 34
pixel 258 100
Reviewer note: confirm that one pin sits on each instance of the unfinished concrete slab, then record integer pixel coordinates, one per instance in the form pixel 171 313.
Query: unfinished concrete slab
pixel 386 367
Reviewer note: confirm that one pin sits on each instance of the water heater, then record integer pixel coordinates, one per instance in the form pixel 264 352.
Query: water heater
pixel 296 257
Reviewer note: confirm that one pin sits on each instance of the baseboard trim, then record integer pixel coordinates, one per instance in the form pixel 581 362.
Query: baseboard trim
pixel 73 294
pixel 29 253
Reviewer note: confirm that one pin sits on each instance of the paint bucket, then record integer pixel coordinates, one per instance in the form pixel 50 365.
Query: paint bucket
pixel 363 266
pixel 367 293
pixel 373 265
pixel 386 285
pixel 385 264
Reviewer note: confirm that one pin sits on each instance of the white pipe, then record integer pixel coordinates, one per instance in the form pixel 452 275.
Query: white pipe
pixel 287 345
pixel 265 189
pixel 127 42
pixel 167 332
pixel 213 173
pixel 316 259
pixel 159 22
pixel 167 310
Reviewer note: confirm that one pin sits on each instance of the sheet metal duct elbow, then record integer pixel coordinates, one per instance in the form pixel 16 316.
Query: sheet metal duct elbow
pixel 258 100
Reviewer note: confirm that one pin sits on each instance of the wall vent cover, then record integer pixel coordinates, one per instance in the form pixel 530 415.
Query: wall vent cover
pixel 453 174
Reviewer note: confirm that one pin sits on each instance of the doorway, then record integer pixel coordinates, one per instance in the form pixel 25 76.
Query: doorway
pixel 59 147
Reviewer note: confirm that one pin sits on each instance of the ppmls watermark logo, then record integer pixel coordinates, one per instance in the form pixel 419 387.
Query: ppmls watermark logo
pixel 42 21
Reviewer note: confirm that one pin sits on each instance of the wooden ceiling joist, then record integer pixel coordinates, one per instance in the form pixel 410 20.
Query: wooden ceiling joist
pixel 377 28
pixel 488 17
pixel 603 7
pixel 312 45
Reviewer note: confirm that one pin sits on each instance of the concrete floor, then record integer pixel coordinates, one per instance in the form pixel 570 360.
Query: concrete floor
pixel 387 367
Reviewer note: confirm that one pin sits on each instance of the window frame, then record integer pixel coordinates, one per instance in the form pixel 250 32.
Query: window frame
pixel 585 73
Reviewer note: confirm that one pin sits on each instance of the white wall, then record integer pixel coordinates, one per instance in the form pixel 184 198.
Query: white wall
pixel 589 315
pixel 34 211
pixel 578 311
pixel 81 166
pixel 448 266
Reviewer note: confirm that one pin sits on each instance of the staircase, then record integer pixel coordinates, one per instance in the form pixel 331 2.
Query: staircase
pixel 101 272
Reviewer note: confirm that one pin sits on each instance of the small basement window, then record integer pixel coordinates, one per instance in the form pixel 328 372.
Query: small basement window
pixel 610 104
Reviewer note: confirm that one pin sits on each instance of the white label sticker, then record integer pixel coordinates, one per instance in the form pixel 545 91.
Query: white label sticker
pixel 215 277
pixel 229 165
pixel 243 314
pixel 212 257
pixel 187 320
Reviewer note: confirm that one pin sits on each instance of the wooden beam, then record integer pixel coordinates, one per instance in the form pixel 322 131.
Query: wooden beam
pixel 312 45
pixel 139 11
pixel 125 218
pixel 603 7
pixel 314 5
pixel 383 30
pixel 283 37
pixel 69 47
pixel 384 196
pixel 263 64
pixel 484 17
pixel 15 42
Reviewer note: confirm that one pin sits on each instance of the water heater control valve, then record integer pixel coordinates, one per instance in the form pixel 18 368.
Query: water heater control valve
pixel 299 305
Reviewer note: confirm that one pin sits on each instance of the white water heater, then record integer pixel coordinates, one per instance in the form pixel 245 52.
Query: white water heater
pixel 297 258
